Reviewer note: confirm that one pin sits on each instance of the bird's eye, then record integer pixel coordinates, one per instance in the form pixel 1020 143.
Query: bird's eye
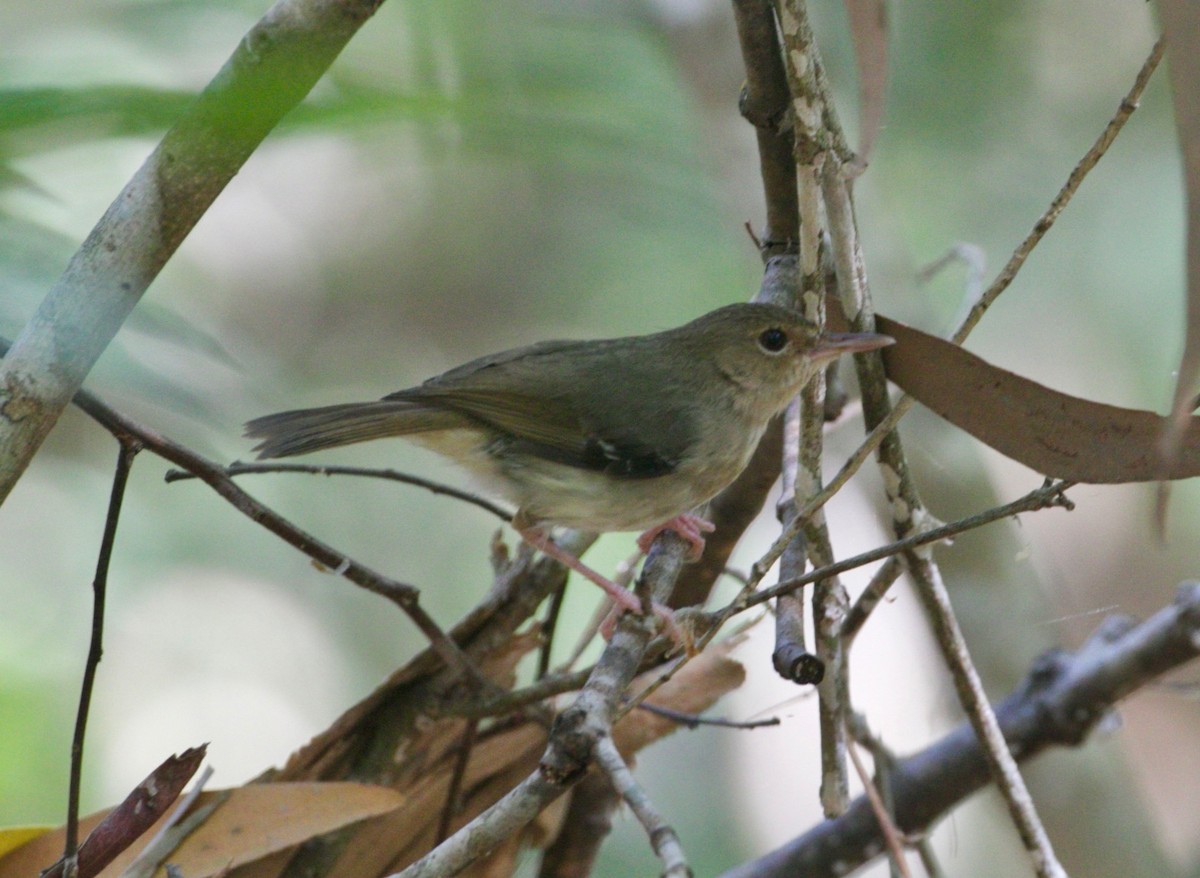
pixel 773 340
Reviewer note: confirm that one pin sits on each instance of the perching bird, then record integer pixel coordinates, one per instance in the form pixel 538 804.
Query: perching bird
pixel 606 435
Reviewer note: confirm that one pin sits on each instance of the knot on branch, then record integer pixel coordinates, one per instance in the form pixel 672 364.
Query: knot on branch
pixel 1066 722
pixel 763 112
pixel 572 747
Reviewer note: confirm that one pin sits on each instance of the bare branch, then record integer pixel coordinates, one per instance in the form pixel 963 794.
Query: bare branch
pixel 238 468
pixel 663 837
pixel 273 67
pixel 128 451
pixel 403 595
pixel 1060 703
pixel 577 730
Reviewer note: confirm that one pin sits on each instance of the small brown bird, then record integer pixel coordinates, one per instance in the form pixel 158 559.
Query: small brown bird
pixel 607 435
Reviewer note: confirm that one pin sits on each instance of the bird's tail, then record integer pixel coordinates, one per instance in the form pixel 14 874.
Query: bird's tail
pixel 304 430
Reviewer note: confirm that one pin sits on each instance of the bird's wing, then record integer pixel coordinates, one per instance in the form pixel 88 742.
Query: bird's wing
pixel 569 403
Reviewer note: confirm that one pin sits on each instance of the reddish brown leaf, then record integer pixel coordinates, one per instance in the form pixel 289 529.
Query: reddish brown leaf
pixel 1053 433
pixel 149 800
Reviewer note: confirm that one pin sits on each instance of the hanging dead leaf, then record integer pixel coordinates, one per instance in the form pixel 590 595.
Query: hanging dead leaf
pixel 1053 433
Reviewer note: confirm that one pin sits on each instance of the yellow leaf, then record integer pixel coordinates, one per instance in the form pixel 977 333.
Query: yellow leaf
pixel 12 837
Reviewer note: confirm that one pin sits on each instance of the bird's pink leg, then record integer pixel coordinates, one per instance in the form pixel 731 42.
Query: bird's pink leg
pixel 621 597
pixel 691 527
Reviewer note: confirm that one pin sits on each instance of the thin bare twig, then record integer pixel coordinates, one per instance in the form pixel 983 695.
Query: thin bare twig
pixel 454 794
pixel 403 595
pixel 549 627
pixel 238 468
pixel 1050 494
pixel 128 451
pixel 887 828
pixel 473 705
pixel 663 837
pixel 691 721
pixel 975 260
pixel 1128 104
pixel 875 592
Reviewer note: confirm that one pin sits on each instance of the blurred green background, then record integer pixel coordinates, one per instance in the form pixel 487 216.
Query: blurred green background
pixel 477 175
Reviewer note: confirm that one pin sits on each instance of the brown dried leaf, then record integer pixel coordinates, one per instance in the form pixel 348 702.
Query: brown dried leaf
pixel 261 819
pixel 420 766
pixel 1181 26
pixel 110 834
pixel 253 822
pixel 696 687
pixel 1057 435
pixel 869 34
pixel 319 759
pixel 499 760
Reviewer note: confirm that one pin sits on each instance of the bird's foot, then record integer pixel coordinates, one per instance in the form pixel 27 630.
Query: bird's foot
pixel 691 527
pixel 623 599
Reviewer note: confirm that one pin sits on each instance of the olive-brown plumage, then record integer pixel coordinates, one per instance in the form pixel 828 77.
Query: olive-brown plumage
pixel 608 435
pixel 604 435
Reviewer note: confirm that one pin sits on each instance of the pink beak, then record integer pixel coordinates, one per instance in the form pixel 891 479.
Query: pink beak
pixel 831 345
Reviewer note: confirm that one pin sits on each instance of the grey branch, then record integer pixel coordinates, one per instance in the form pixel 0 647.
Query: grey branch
pixel 576 734
pixel 662 835
pixel 273 68
pixel 1060 702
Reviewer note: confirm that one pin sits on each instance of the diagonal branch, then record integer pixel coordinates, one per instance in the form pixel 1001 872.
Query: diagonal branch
pixel 405 596
pixel 1060 703
pixel 575 736
pixel 274 66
